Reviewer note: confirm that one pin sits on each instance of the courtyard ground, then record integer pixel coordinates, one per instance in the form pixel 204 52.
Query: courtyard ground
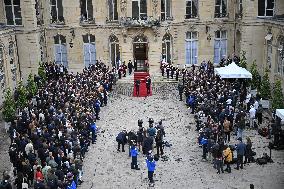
pixel 105 168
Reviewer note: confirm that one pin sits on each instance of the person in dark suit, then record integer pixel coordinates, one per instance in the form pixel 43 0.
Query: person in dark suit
pixel 130 67
pixel 137 85
pixel 148 85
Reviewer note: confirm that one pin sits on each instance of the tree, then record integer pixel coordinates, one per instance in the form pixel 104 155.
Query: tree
pixel 265 91
pixel 277 98
pixel 31 86
pixel 9 107
pixel 243 60
pixel 22 99
pixel 255 81
pixel 42 73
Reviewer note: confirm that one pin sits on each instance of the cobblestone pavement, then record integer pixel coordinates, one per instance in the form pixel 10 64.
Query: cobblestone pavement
pixel 105 168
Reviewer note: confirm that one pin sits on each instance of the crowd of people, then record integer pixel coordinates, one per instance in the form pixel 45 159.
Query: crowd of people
pixel 143 140
pixel 52 133
pixel 221 108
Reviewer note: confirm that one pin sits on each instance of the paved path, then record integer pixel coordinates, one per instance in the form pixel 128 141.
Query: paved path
pixel 105 168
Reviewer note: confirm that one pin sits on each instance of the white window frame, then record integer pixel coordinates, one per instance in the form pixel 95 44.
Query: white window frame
pixel 165 42
pixel 265 9
pixel 57 12
pixel 86 9
pixel 165 8
pixel 280 61
pixel 112 18
pixel 13 12
pixel 192 40
pixel 191 9
pixel 116 44
pixel 89 51
pixel 139 9
pixel 220 48
pixel 220 9
pixel 269 53
pixel 60 44
pixel 241 8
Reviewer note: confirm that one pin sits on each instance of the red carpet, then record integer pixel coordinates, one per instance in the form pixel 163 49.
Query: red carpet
pixel 143 90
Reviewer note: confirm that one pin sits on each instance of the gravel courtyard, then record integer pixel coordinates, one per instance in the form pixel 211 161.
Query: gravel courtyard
pixel 105 168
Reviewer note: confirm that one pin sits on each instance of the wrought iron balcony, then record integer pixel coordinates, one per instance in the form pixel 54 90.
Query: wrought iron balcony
pixel 87 21
pixel 59 21
pixel 190 16
pixel 221 15
pixel 142 22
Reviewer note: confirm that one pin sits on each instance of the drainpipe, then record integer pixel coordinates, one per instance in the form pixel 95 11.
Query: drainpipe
pixel 235 25
pixel 19 65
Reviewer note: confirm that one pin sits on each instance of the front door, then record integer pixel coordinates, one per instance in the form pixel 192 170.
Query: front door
pixel 140 54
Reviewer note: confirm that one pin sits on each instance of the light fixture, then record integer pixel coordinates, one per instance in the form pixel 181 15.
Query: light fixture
pixel 209 37
pixel 71 43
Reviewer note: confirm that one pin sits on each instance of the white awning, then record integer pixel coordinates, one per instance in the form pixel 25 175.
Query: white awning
pixel 280 113
pixel 268 37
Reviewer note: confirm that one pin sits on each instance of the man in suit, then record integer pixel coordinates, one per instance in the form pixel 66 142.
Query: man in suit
pixel 137 85
pixel 148 85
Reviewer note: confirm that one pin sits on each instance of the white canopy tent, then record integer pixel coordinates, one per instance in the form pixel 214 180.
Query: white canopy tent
pixel 280 113
pixel 233 71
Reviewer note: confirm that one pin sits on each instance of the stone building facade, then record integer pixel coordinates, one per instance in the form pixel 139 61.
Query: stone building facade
pixel 77 32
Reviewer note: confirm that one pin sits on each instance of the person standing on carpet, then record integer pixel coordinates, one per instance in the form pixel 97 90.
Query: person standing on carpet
pixel 137 86
pixel 148 85
pixel 130 67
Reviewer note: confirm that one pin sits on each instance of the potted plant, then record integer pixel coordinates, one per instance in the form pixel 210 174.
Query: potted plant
pixel 31 87
pixel 9 109
pixel 277 97
pixel 22 100
pixel 243 60
pixel 265 92
pixel 255 81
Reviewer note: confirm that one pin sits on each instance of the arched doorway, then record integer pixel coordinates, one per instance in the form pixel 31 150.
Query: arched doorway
pixel 114 50
pixel 140 52
pixel 167 48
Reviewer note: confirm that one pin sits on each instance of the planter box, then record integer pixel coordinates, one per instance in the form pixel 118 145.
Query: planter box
pixel 253 92
pixel 7 126
pixel 265 104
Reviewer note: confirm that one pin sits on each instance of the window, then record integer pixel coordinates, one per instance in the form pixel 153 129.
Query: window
pixel 240 7
pixel 191 9
pixel 89 50
pixel 114 50
pixel 60 50
pixel 220 8
pixel 42 48
pixel 266 7
pixel 112 10
pixel 166 6
pixel 38 13
pixel 56 11
pixel 191 45
pixel 166 48
pixel 139 9
pixel 280 59
pixel 13 12
pixel 269 53
pixel 2 75
pixel 220 46
pixel 86 10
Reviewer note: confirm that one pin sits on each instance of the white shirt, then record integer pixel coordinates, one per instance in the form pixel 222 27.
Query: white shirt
pixel 252 113
pixel 255 105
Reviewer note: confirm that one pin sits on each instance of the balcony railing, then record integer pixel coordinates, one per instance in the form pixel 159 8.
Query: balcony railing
pixel 87 21
pixel 168 18
pixel 221 15
pixel 59 21
pixel 134 22
pixel 190 16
